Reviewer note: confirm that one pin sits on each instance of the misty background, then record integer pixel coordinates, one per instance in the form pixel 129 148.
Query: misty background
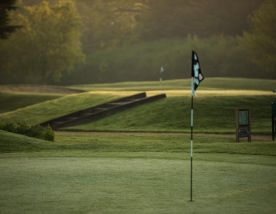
pixel 93 41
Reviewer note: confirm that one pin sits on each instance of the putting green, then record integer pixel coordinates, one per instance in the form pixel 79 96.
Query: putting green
pixel 136 185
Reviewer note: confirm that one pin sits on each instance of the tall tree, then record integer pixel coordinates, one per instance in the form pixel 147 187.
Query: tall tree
pixel 110 23
pixel 5 27
pixel 47 46
pixel 179 18
pixel 260 40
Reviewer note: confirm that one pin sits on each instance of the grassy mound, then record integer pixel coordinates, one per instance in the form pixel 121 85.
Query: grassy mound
pixel 11 142
pixel 41 112
pixel 215 106
pixel 12 101
pixel 212 114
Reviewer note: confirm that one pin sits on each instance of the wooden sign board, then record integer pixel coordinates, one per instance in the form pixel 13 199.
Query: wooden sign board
pixel 243 124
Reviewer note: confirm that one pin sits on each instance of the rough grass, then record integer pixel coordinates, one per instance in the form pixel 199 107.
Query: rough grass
pixel 13 101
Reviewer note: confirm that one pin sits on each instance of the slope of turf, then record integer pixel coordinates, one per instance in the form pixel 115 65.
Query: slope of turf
pixel 124 144
pixel 12 101
pixel 41 112
pixel 208 83
pixel 10 142
pixel 162 142
pixel 212 114
pixel 170 114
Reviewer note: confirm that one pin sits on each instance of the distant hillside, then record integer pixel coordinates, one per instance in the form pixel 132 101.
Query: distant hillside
pixel 219 57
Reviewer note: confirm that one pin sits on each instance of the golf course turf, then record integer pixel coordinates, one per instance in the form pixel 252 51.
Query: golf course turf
pixel 137 161
pixel 137 185
pixel 136 173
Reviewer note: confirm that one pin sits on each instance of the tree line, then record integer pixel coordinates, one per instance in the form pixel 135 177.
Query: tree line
pixel 67 41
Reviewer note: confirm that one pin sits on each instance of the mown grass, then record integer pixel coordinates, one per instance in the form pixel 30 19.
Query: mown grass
pixel 208 83
pixel 13 101
pixel 11 142
pixel 85 143
pixel 212 114
pixel 37 89
pixel 141 172
pixel 135 173
pixel 215 109
pixel 114 185
pixel 41 112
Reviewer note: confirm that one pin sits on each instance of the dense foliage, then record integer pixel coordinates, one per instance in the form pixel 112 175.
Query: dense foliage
pixel 132 39
pixel 219 56
pixel 179 18
pixel 260 40
pixel 45 133
pixel 5 27
pixel 46 47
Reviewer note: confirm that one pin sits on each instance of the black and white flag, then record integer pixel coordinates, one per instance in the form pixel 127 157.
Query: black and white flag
pixel 197 75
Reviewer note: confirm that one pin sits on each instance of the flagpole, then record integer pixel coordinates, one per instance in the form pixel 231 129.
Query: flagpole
pixel 191 147
pixel 197 77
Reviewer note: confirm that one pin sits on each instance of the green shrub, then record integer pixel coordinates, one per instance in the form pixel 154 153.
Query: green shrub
pixel 45 133
pixel 10 127
pixel 22 128
pixel 49 134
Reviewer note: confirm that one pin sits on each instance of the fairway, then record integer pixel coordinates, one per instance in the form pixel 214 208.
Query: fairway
pixel 136 185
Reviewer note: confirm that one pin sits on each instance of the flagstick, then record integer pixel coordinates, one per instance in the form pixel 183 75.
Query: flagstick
pixel 191 148
pixel 197 77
